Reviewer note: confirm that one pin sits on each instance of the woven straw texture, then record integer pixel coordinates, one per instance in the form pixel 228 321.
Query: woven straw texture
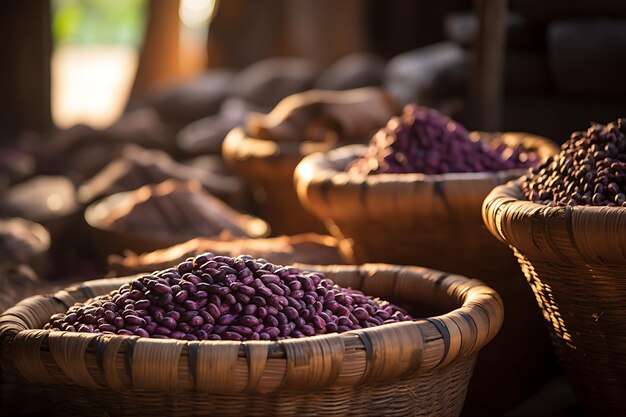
pixel 435 221
pixel 575 261
pixel 268 167
pixel 419 367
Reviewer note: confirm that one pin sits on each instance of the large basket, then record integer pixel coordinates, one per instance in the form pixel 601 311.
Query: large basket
pixel 435 221
pixel 268 167
pixel 419 367
pixel 575 261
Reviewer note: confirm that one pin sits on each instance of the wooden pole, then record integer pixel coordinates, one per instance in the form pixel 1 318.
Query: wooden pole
pixel 25 51
pixel 159 58
pixel 487 66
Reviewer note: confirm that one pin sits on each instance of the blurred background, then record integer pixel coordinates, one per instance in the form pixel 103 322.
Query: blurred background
pixel 69 61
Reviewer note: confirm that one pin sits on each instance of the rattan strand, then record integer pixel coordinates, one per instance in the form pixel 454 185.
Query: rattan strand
pixel 408 368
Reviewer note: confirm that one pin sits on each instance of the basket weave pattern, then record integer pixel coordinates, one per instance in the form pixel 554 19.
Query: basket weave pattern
pixel 419 367
pixel 575 261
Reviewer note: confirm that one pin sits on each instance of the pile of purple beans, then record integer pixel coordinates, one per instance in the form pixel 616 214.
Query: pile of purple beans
pixel 223 298
pixel 422 140
pixel 589 170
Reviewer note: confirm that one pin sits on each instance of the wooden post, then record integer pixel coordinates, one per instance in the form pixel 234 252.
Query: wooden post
pixel 245 31
pixel 158 61
pixel 487 66
pixel 25 51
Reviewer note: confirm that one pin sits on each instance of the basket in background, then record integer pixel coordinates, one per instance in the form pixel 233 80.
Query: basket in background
pixel 268 167
pixel 435 221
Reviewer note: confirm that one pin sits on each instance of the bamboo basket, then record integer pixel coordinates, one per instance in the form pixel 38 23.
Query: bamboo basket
pixel 268 167
pixel 113 241
pixel 419 367
pixel 435 221
pixel 575 261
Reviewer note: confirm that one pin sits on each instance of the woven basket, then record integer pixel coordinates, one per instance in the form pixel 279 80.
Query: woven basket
pixel 435 221
pixel 575 261
pixel 111 241
pixel 419 367
pixel 268 167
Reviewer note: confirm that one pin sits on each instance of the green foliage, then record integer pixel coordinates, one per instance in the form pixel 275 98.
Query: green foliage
pixel 98 21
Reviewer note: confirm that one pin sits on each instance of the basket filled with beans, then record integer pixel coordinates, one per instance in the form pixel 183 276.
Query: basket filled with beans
pixel 413 196
pixel 566 223
pixel 267 149
pixel 243 336
pixel 157 216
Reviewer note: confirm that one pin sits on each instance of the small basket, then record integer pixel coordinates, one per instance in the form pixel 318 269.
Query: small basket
pixel 575 261
pixel 420 367
pixel 111 241
pixel 435 221
pixel 268 167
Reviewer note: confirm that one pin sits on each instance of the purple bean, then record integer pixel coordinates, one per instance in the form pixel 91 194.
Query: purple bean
pixel 107 328
pixel 118 322
pixel 273 332
pixel 331 328
pixel 242 330
pixel 291 313
pixel 226 319
pixel 249 309
pixel 229 299
pixel 181 296
pixel 232 336
pixel 196 321
pixel 264 292
pixel 141 332
pixel 261 312
pixel 248 320
pixel 177 334
pixel 271 321
pixel 183 327
pixel 214 311
pixel 188 315
pixel 207 317
pixel 169 322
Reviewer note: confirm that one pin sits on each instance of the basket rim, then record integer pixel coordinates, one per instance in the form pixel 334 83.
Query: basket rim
pixel 239 146
pixel 506 213
pixel 461 332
